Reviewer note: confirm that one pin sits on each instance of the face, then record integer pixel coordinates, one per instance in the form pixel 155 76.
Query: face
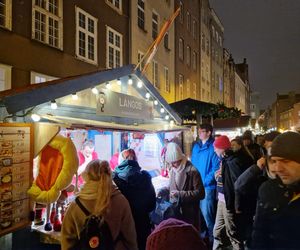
pixel 287 170
pixel 260 140
pixel 204 134
pixel 87 151
pixel 267 144
pixel 175 164
pixel 246 142
pixel 235 146
pixel 219 151
pixel 271 168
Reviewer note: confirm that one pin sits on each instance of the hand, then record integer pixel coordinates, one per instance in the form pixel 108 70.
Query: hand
pixel 174 194
pixel 261 163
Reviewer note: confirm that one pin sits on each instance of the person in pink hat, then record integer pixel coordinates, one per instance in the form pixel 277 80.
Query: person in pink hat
pixel 229 225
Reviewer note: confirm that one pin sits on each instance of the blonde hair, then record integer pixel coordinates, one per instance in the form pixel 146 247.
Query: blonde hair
pixel 100 171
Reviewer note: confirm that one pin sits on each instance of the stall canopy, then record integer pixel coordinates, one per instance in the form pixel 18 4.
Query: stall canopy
pixel 120 98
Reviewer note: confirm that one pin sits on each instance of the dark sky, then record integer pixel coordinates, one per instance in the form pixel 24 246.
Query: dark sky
pixel 267 33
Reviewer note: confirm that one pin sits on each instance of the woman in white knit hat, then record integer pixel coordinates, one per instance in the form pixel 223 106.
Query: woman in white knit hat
pixel 186 186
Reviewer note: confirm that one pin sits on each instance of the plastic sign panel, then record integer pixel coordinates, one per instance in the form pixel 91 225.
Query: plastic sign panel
pixel 110 103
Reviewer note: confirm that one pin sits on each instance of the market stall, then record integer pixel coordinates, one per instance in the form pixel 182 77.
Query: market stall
pixel 113 110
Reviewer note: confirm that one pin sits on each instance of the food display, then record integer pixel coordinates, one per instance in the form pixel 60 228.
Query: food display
pixel 15 176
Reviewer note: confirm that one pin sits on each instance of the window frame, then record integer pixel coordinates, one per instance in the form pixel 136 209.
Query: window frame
pixel 34 74
pixel 188 21
pixel 194 60
pixel 181 13
pixel 155 76
pixel 141 19
pixel 112 3
pixel 7 76
pixel 7 16
pixel 115 47
pixel 188 56
pixel 155 22
pixel 140 56
pixel 48 14
pixel 167 79
pixel 194 29
pixel 181 49
pixel 180 83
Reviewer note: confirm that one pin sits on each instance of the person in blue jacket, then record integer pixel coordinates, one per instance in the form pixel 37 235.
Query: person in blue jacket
pixel 207 162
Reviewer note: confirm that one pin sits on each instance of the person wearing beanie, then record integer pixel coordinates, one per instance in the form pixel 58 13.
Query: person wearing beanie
pixel 186 188
pixel 173 234
pixel 206 162
pixel 136 185
pixel 233 164
pixel 277 217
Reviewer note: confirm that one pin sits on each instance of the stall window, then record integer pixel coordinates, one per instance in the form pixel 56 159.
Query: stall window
pixel 114 45
pixel 155 74
pixel 5 77
pixel 47 22
pixel 5 14
pixel 86 36
pixel 167 82
pixel 141 14
pixel 154 25
pixel 38 77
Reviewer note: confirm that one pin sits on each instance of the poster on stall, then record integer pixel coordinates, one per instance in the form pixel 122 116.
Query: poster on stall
pixel 16 157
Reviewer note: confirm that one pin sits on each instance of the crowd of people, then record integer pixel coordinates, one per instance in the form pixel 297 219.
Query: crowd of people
pixel 237 194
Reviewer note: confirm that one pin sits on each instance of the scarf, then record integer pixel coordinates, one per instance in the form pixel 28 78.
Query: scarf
pixel 178 174
pixel 89 190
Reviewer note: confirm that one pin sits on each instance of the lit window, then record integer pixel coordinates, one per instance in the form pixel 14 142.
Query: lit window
pixel 155 74
pixel 188 55
pixel 117 4
pixel 140 57
pixel 181 49
pixel 181 12
pixel 154 25
pixel 39 78
pixel 114 46
pixel 47 22
pixel 5 14
pixel 180 86
pixel 141 14
pixel 167 82
pixel 5 77
pixel 86 36
pixel 194 60
pixel 188 21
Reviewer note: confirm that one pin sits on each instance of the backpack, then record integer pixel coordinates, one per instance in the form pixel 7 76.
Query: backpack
pixel 95 233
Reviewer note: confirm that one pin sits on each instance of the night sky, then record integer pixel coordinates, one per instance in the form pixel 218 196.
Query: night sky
pixel 267 33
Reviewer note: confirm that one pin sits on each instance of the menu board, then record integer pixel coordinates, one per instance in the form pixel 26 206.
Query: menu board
pixel 16 158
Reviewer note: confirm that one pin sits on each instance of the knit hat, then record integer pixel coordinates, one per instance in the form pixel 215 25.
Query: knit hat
pixel 271 136
pixel 247 135
pixel 173 152
pixel 174 234
pixel 127 154
pixel 287 146
pixel 222 142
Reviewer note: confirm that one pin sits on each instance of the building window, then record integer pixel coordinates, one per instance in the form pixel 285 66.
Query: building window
pixel 194 61
pixel 155 74
pixel 217 36
pixel 114 46
pixel 220 41
pixel 194 29
pixel 188 56
pixel 180 86
pixel 203 42
pixel 47 22
pixel 213 31
pixel 181 14
pixel 154 25
pixel 5 77
pixel 39 78
pixel 203 94
pixel 194 90
pixel 188 21
pixel 117 4
pixel 166 40
pixel 252 106
pixel 140 57
pixel 5 14
pixel 141 14
pixel 86 36
pixel 167 81
pixel 181 49
pixel 213 53
pixel 207 47
pixel 188 88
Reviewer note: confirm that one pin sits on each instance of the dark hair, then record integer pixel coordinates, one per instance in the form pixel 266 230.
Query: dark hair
pixel 271 135
pixel 207 127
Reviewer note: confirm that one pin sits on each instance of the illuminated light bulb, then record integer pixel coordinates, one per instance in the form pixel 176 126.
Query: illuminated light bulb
pixel 140 84
pixel 95 91
pixel 147 95
pixel 172 123
pixel 53 105
pixel 119 82
pixel 108 85
pixel 130 81
pixel 75 97
pixel 162 110
pixel 35 117
pixel 155 102
pixel 167 117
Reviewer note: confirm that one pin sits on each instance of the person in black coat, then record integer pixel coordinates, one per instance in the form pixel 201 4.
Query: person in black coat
pixel 229 222
pixel 135 184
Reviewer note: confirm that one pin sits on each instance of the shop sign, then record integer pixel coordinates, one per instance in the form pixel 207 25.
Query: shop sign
pixel 110 103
